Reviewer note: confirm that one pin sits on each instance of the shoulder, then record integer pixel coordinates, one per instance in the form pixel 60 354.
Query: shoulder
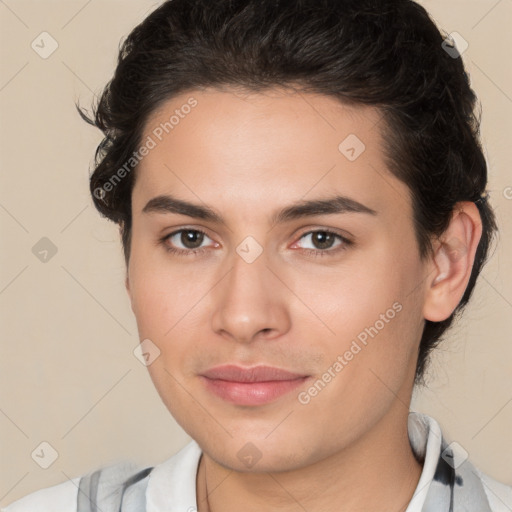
pixel 121 485
pixel 106 484
pixel 498 494
pixel 449 477
pixel 58 498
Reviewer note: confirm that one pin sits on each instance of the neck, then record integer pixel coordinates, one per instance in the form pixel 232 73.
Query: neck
pixel 378 472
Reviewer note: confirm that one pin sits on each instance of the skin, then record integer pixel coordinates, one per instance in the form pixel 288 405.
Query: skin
pixel 246 157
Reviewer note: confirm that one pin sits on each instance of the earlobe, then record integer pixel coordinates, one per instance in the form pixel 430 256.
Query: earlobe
pixel 452 263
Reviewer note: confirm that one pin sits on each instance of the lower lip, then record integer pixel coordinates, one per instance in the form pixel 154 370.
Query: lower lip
pixel 251 393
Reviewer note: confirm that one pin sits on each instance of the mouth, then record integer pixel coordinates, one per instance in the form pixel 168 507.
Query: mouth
pixel 251 386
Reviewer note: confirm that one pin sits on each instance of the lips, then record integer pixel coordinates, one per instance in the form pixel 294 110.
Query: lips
pixel 250 386
pixel 235 373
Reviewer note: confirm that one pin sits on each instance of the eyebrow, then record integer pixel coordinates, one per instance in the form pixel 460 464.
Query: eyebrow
pixel 330 206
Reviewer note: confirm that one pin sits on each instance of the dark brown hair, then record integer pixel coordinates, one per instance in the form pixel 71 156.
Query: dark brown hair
pixel 384 53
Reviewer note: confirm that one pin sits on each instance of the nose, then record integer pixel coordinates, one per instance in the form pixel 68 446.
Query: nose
pixel 250 302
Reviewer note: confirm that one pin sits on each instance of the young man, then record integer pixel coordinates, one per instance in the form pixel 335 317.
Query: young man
pixel 300 191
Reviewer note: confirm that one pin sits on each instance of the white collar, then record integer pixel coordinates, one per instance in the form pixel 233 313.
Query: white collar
pixel 425 437
pixel 172 484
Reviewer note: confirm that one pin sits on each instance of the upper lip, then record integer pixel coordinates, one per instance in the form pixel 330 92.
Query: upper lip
pixel 262 373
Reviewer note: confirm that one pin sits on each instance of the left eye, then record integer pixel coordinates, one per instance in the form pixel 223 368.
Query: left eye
pixel 324 240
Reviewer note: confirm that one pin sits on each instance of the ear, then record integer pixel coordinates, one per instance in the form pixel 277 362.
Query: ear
pixel 452 262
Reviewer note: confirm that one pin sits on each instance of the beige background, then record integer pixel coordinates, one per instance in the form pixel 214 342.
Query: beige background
pixel 68 374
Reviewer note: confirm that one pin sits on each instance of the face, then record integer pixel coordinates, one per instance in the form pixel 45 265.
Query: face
pixel 256 275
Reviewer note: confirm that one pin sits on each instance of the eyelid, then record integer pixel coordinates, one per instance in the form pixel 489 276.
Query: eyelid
pixel 186 227
pixel 314 229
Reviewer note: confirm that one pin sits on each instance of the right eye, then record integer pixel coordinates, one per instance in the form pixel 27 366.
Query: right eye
pixel 187 237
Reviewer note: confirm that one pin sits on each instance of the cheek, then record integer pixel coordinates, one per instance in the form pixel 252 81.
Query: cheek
pixel 354 296
pixel 162 294
pixel 374 312
pixel 168 306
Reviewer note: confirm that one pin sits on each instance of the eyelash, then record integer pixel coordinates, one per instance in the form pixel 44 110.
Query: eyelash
pixel 310 252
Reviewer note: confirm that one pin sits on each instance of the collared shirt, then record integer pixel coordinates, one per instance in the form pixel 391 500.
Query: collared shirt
pixel 448 482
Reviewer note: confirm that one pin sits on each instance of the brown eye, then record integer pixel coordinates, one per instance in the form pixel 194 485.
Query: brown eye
pixel 323 243
pixel 191 238
pixel 184 241
pixel 322 240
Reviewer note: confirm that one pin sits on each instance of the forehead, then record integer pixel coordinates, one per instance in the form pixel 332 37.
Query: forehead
pixel 278 111
pixel 249 148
